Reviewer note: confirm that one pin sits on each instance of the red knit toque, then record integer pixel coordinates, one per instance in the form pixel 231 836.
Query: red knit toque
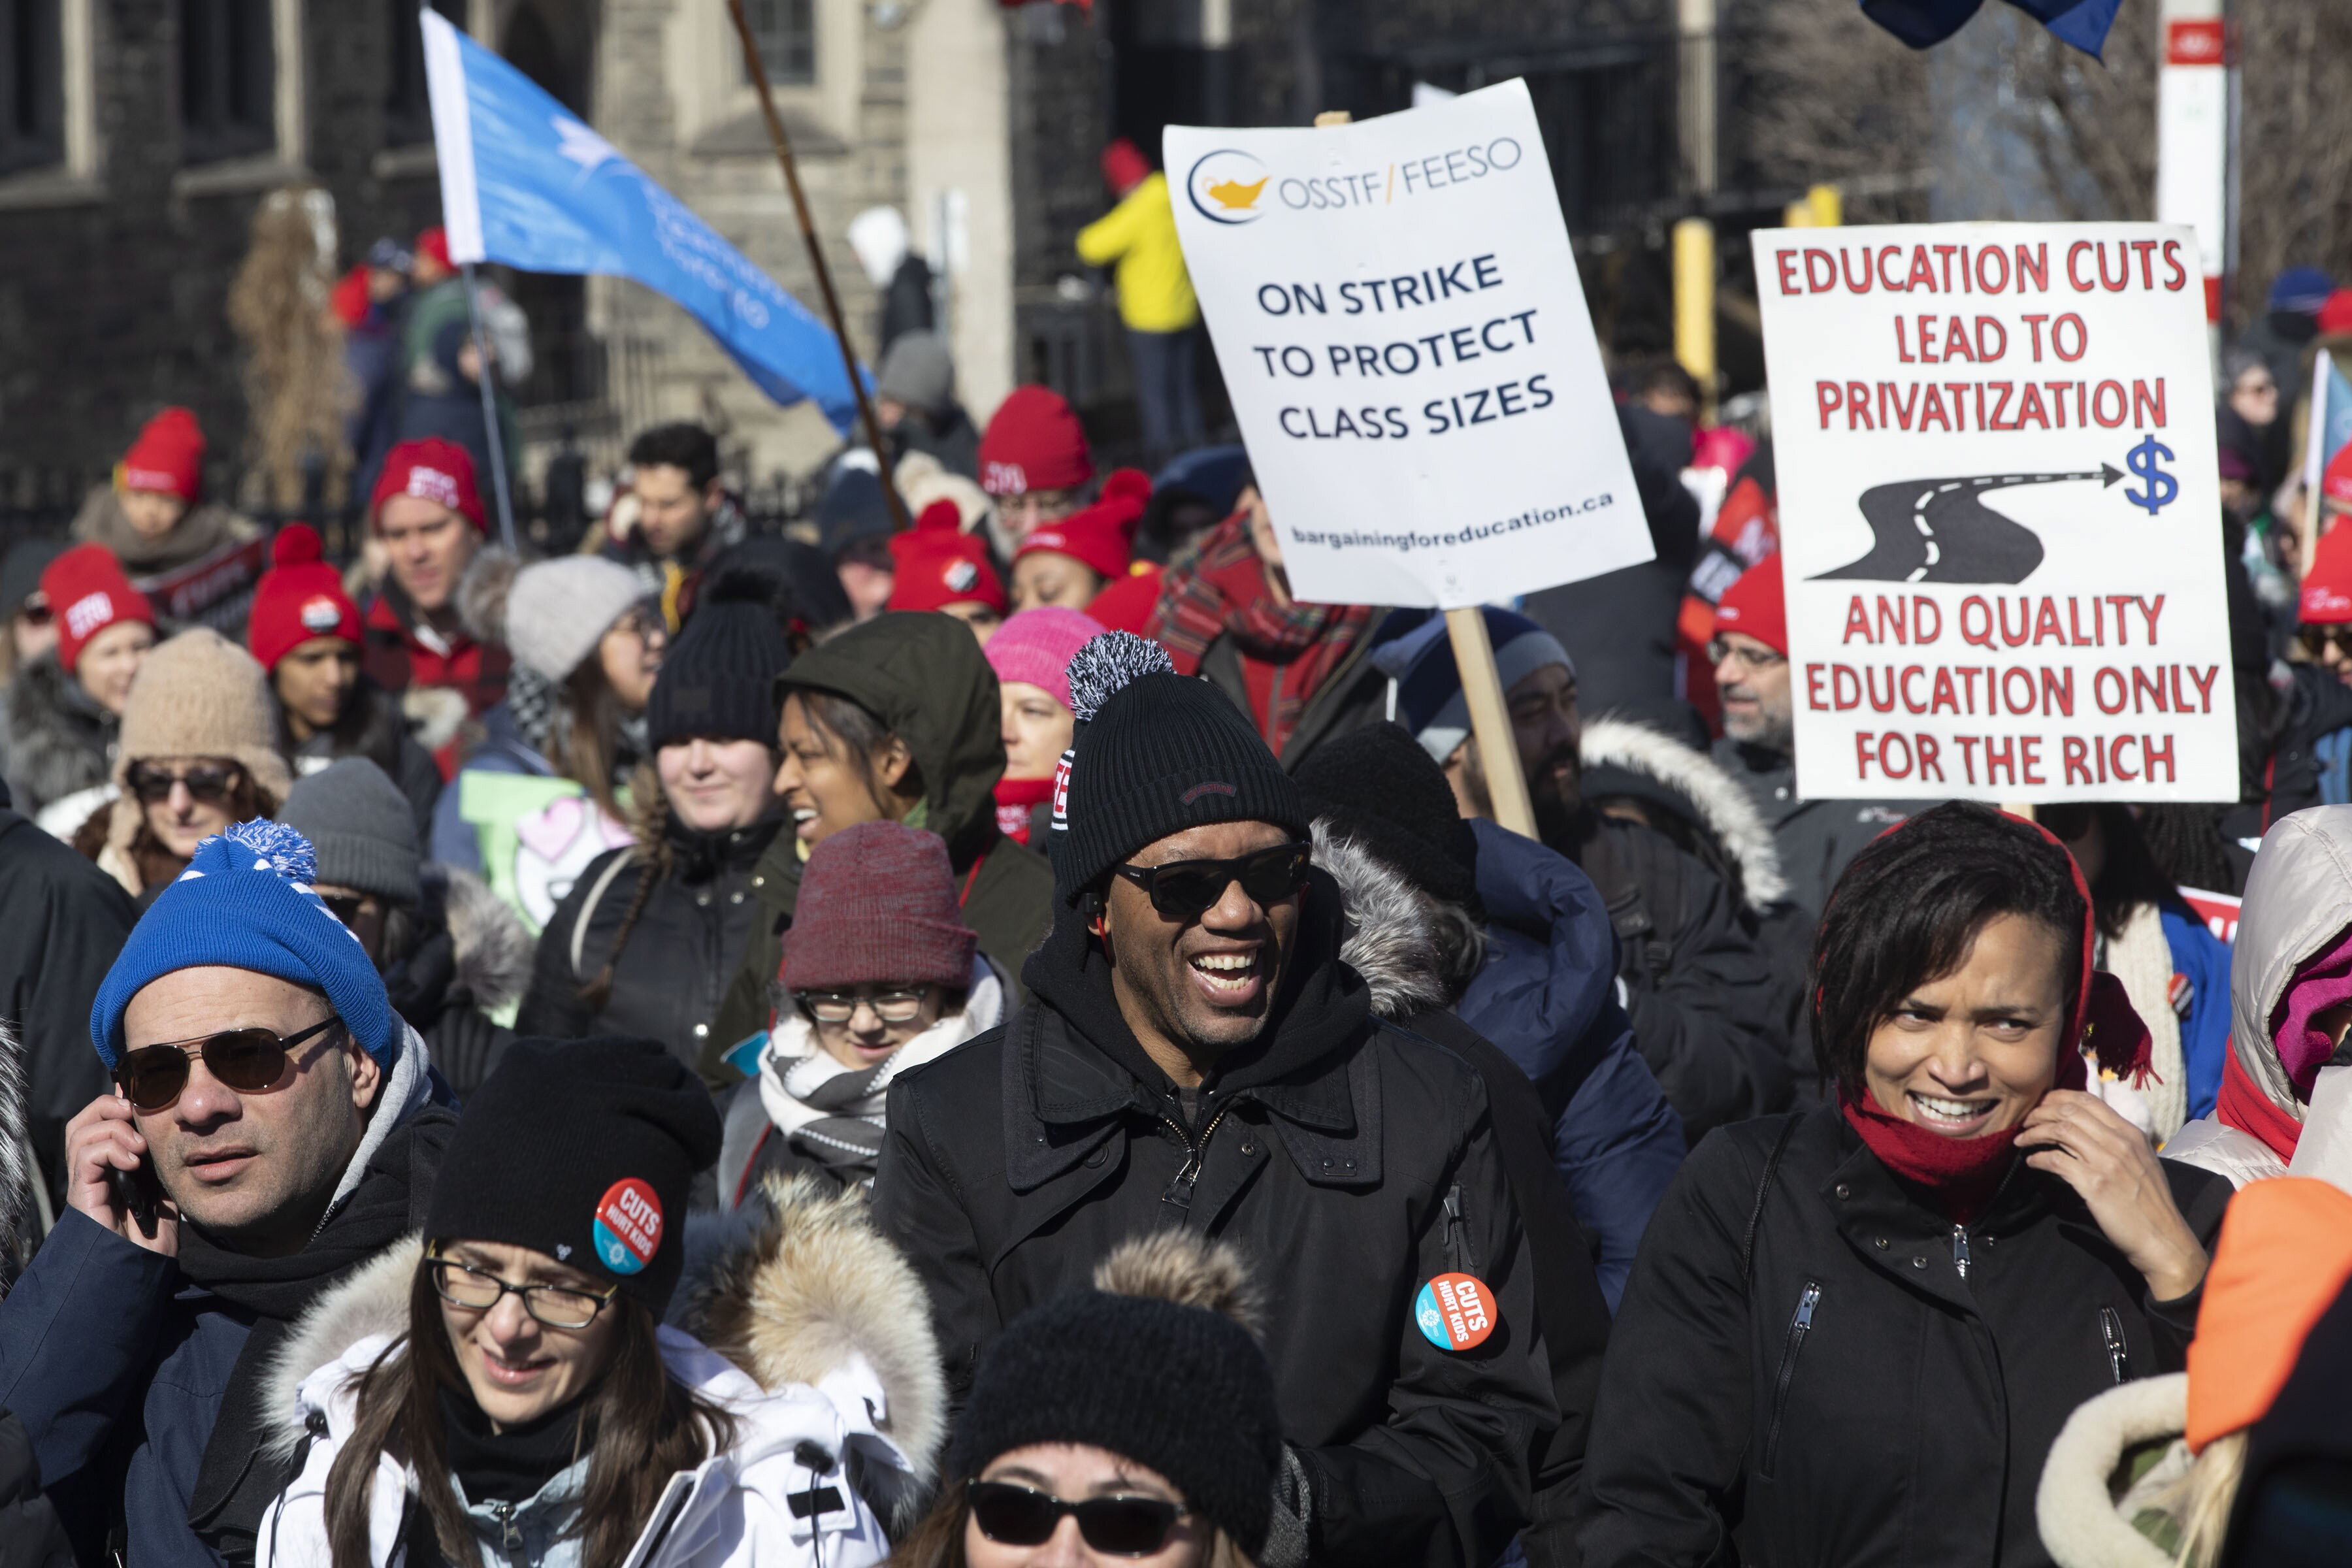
pixel 349 298
pixel 1755 606
pixel 435 242
pixel 2328 587
pixel 434 468
pixel 1129 604
pixel 1125 166
pixel 1101 535
pixel 87 593
pixel 939 565
pixel 168 455
pixel 876 904
pixel 298 599
pixel 1034 442
pixel 2336 313
pixel 2335 480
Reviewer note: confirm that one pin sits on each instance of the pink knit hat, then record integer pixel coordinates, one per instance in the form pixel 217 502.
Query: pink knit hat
pixel 1036 645
pixel 877 903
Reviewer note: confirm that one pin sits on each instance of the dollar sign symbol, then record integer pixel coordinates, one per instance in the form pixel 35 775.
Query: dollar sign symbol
pixel 2162 488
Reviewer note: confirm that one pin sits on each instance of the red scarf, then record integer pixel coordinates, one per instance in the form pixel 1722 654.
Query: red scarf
pixel 2243 1105
pixel 1960 1176
pixel 1016 803
pixel 1287 652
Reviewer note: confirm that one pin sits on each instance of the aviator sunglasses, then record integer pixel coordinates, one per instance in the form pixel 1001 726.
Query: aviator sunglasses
pixel 251 1061
pixel 1186 889
pixel 1122 1525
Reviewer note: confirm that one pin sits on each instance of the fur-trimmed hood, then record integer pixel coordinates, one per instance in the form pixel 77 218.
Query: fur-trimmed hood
pixel 1709 796
pixel 482 593
pixel 60 742
pixel 492 947
pixel 1391 929
pixel 20 1227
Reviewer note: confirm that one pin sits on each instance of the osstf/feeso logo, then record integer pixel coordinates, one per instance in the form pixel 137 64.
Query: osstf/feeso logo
pixel 1228 187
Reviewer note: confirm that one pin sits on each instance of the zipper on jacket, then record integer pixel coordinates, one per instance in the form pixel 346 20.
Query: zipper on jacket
pixel 1180 1191
pixel 2111 1330
pixel 509 1538
pixel 1457 1234
pixel 1801 1324
pixel 1961 1249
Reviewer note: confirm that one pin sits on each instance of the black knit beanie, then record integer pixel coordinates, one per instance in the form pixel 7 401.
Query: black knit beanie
pixel 1156 752
pixel 583 1150
pixel 1183 1390
pixel 1379 787
pixel 718 679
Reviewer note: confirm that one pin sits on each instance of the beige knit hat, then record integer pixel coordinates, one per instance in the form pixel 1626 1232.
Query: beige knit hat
pixel 200 695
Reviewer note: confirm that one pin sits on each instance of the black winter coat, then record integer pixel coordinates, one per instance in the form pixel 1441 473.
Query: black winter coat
pixel 1859 1398
pixel 60 740
pixel 471 956
pixel 1699 990
pixel 693 919
pixel 31 1536
pixel 1331 1153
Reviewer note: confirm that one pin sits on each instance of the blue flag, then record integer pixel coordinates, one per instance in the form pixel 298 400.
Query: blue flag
pixel 525 183
pixel 1920 22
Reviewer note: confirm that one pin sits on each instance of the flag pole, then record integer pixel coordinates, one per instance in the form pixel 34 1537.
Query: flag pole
pixel 485 370
pixel 759 74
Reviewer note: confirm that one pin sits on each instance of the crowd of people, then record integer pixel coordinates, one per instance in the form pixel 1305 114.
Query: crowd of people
pixel 1018 1040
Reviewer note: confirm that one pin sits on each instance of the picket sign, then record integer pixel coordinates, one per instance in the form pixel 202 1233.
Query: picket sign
pixel 1399 323
pixel 2000 511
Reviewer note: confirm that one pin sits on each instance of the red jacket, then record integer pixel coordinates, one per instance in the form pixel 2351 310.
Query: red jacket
pixel 401 658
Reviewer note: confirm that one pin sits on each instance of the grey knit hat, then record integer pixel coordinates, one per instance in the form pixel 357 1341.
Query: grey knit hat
pixel 361 827
pixel 918 371
pixel 558 610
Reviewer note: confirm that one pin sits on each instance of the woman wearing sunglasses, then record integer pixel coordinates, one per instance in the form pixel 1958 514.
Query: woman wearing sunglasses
pixel 198 754
pixel 65 702
pixel 530 1411
pixel 879 975
pixel 1132 1423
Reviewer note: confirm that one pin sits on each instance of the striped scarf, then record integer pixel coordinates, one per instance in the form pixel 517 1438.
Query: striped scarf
pixel 1288 651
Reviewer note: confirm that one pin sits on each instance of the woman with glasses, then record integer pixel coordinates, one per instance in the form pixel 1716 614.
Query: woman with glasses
pixel 1133 1424
pixel 586 644
pixel 66 700
pixel 529 1409
pixel 198 754
pixel 649 936
pixel 879 975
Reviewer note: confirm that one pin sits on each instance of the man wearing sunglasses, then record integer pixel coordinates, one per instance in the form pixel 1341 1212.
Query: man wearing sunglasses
pixel 270 1130
pixel 1197 1056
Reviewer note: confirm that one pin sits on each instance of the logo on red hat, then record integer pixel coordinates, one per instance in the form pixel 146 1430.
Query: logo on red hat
pixel 321 616
pixel 88 613
pixel 432 484
pixel 960 576
pixel 628 1225
pixel 1004 479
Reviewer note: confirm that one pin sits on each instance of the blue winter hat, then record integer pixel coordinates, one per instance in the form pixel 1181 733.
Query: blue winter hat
pixel 2301 290
pixel 1429 700
pixel 246 902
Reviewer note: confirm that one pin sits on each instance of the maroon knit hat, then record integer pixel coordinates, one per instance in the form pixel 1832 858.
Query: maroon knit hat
pixel 877 902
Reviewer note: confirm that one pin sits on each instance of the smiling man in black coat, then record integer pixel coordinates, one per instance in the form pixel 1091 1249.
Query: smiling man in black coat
pixel 1197 1056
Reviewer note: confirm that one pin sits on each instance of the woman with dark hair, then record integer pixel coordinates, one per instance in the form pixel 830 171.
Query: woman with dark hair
pixel 896 720
pixel 649 936
pixel 586 645
pixel 1851 1334
pixel 1133 1423
pixel 530 1409
pixel 2176 971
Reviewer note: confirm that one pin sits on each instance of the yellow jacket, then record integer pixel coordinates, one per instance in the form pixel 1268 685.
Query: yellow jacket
pixel 1155 292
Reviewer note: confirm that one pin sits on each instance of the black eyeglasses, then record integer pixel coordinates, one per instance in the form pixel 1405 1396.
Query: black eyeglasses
pixel 1186 889
pixel 207 782
pixel 1122 1525
pixel 251 1061
pixel 1720 648
pixel 2317 640
pixel 479 1290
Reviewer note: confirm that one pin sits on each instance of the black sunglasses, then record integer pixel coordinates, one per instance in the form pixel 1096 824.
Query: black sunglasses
pixel 1123 1526
pixel 1186 889
pixel 251 1061
pixel 210 784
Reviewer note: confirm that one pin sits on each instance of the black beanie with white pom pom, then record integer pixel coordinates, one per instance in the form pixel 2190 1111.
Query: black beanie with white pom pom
pixel 1156 752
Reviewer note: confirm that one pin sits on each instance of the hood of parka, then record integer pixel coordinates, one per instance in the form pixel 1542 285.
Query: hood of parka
pixel 921 673
pixel 2298 903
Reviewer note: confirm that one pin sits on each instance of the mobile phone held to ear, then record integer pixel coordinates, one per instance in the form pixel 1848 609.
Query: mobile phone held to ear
pixel 137 1194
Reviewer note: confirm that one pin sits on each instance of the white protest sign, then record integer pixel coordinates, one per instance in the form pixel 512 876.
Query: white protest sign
pixel 1404 338
pixel 2000 519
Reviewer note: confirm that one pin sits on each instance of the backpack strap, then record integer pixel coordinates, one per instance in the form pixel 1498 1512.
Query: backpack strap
pixel 595 897
pixel 1763 1189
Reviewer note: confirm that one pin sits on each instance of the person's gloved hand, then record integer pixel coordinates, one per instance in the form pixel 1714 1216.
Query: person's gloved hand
pixel 1290 1532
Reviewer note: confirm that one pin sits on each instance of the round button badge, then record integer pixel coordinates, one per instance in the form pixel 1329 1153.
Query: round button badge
pixel 628 1225
pixel 1454 1311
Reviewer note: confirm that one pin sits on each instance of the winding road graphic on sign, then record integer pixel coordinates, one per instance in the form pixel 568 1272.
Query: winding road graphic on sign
pixel 1940 530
